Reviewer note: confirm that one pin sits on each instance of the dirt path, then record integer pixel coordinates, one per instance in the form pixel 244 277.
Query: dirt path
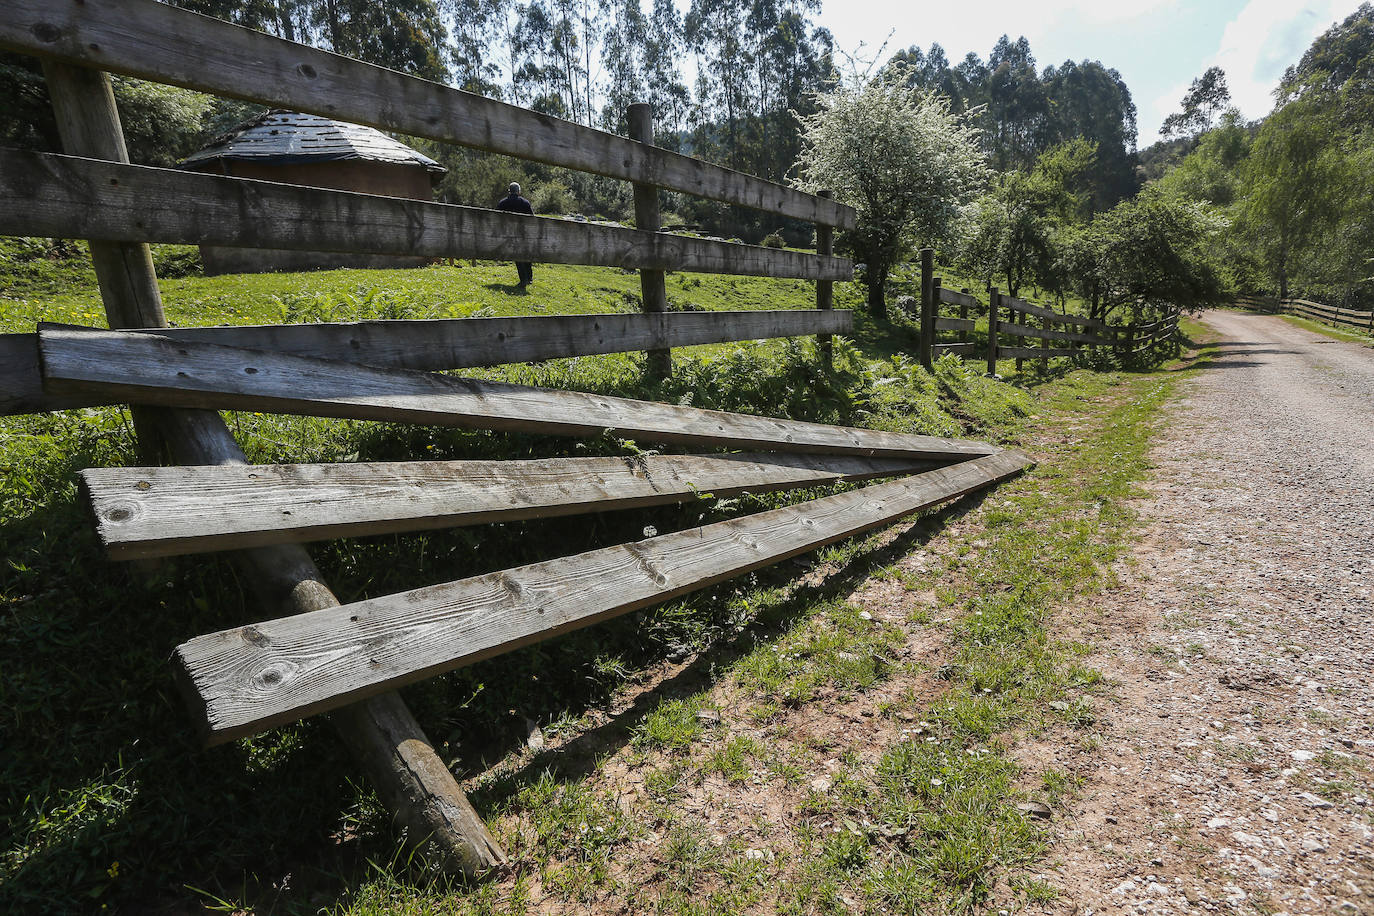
pixel 1236 767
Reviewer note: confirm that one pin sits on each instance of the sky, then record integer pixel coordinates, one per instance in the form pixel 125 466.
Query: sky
pixel 1158 46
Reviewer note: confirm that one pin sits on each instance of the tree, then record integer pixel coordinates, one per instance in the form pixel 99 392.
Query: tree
pixel 1206 98
pixel 899 156
pixel 1091 101
pixel 1016 230
pixel 1152 254
pixel 1292 184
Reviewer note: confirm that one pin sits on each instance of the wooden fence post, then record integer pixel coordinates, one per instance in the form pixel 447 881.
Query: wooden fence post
pixel 929 306
pixel 963 316
pixel 825 289
pixel 1045 325
pixel 1019 318
pixel 994 298
pixel 410 777
pixel 652 286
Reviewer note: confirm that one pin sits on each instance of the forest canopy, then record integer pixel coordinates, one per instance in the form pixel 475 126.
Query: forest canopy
pixel 1287 202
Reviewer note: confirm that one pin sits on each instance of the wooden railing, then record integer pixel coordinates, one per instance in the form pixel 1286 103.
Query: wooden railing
pixel 1334 315
pixel 1011 317
pixel 310 652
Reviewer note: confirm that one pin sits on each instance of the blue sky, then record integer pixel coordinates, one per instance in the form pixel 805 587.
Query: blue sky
pixel 1159 46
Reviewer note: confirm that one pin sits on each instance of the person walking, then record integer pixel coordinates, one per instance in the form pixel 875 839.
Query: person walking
pixel 514 203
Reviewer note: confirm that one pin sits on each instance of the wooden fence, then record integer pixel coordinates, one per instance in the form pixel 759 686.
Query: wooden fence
pixel 1059 335
pixel 309 652
pixel 1334 315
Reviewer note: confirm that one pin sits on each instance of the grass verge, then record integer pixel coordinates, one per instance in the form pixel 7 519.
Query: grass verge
pixel 109 805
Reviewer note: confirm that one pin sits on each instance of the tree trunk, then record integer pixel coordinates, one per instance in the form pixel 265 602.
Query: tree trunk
pixel 877 288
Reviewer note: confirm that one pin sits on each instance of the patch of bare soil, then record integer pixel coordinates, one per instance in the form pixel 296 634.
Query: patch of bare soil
pixel 1235 768
pixel 831 735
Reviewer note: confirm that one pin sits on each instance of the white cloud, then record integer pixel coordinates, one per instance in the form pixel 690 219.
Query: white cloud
pixel 1266 37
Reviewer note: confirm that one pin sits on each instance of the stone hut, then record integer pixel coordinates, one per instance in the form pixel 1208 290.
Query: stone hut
pixel 306 149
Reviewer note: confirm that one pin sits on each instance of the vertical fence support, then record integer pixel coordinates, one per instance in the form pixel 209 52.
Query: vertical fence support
pixel 825 289
pixel 410 777
pixel 1045 325
pixel 652 286
pixel 963 316
pixel 1019 318
pixel 925 349
pixel 994 300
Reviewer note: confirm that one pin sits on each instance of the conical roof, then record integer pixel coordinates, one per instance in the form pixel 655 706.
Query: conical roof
pixel 279 137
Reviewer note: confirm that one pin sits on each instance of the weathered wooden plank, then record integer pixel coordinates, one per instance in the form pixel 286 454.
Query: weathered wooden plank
pixel 43 194
pixel 167 511
pixel 1029 352
pixel 147 368
pixel 653 291
pixel 955 324
pixel 255 677
pixel 412 781
pixel 1028 308
pixel 156 42
pixel 21 382
pixel 1329 313
pixel 443 343
pixel 1025 330
pixel 962 349
pixel 955 297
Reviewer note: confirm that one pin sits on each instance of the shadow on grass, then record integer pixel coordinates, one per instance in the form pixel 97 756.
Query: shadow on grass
pixel 578 758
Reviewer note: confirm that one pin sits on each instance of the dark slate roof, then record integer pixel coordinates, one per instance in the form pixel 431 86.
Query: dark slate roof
pixel 279 137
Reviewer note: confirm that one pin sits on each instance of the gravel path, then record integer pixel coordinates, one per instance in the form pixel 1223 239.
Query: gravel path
pixel 1236 768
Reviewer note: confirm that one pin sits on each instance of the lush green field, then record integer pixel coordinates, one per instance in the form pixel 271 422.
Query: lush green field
pixel 106 801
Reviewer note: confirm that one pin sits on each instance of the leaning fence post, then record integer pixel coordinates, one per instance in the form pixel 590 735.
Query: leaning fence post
pixel 825 289
pixel 412 780
pixel 925 349
pixel 652 287
pixel 994 297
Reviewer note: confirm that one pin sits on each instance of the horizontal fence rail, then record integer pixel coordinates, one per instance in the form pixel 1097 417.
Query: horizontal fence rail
pixel 45 194
pixel 443 343
pixel 145 368
pixel 249 679
pixel 1330 314
pixel 1354 319
pixel 153 41
pixel 153 512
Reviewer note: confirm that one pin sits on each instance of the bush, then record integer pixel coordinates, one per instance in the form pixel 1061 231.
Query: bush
pixel 772 240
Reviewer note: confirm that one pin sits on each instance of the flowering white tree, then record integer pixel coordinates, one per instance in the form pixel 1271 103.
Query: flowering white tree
pixel 900 157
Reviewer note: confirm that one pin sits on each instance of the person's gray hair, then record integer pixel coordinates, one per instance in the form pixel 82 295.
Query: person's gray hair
pixel 514 187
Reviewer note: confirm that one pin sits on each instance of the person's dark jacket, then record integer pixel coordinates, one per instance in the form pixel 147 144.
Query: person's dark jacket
pixel 514 203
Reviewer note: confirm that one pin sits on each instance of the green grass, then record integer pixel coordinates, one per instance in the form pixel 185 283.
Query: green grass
pixel 106 801
pixel 1327 330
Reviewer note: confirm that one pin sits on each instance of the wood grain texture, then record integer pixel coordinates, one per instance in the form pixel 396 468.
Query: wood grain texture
pixel 444 343
pixel 147 368
pixel 155 42
pixel 1027 308
pixel 43 194
pixel 955 297
pixel 1025 330
pixel 955 324
pixel 167 511
pixel 1030 352
pixel 252 678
